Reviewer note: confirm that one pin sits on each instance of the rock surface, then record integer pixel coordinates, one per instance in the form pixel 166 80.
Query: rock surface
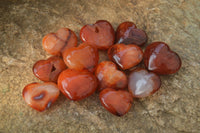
pixel 174 108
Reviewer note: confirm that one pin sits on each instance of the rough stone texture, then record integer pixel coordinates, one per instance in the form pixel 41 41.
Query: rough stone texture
pixel 174 108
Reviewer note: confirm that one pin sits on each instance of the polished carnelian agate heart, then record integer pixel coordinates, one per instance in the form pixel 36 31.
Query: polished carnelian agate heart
pixel 77 85
pixel 142 83
pixel 125 56
pixel 127 33
pixel 117 102
pixel 124 28
pixel 82 57
pixel 109 76
pixel 160 59
pixel 40 96
pixel 56 43
pixel 48 70
pixel 101 34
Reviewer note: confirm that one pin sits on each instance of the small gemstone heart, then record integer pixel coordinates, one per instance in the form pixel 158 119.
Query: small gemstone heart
pixel 82 57
pixel 127 33
pixel 109 76
pixel 40 96
pixel 125 56
pixel 117 102
pixel 56 43
pixel 142 83
pixel 159 58
pixel 48 70
pixel 101 34
pixel 77 85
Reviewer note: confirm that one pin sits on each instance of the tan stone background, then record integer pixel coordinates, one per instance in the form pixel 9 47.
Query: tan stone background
pixel 174 108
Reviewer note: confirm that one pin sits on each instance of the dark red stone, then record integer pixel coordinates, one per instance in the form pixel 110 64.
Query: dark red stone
pixel 127 33
pixel 159 58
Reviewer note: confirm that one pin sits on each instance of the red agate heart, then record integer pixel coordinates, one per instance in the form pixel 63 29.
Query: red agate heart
pixel 77 85
pixel 128 33
pixel 109 76
pixel 125 56
pixel 40 96
pixel 159 58
pixel 48 70
pixel 101 34
pixel 142 83
pixel 56 43
pixel 82 57
pixel 117 102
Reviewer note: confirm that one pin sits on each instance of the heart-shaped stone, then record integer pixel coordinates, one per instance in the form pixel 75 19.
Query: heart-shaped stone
pixel 125 56
pixel 56 43
pixel 142 83
pixel 109 76
pixel 77 85
pixel 82 57
pixel 40 96
pixel 127 33
pixel 117 102
pixel 101 34
pixel 160 59
pixel 48 70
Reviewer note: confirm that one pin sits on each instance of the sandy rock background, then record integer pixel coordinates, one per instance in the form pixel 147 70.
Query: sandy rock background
pixel 174 108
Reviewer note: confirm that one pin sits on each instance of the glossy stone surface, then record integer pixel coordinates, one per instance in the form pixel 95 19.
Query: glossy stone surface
pixel 101 34
pixel 159 58
pixel 128 33
pixel 117 102
pixel 124 29
pixel 77 85
pixel 56 43
pixel 109 76
pixel 125 56
pixel 142 83
pixel 82 57
pixel 48 70
pixel 40 96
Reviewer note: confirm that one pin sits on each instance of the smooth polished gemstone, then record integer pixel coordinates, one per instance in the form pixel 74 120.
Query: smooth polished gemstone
pixel 117 102
pixel 110 77
pixel 101 34
pixel 159 58
pixel 40 96
pixel 77 85
pixel 125 56
pixel 127 33
pixel 82 57
pixel 56 43
pixel 124 29
pixel 48 70
pixel 142 83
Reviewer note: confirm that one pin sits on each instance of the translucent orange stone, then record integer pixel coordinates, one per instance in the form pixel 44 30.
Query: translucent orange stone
pixel 101 34
pixel 125 56
pixel 117 102
pixel 56 43
pixel 77 85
